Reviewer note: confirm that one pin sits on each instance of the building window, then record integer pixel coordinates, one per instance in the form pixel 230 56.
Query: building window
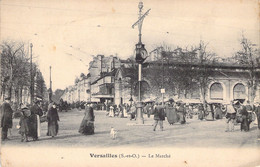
pixel 216 91
pixel 239 91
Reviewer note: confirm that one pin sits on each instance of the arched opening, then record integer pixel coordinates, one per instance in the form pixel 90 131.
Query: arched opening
pixel 239 92
pixel 216 91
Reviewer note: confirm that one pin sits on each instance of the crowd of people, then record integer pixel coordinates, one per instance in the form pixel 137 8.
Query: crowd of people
pixel 30 120
pixel 31 117
pixel 175 112
pixel 178 112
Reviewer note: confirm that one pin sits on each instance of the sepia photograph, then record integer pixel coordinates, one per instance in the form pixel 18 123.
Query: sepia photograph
pixel 130 82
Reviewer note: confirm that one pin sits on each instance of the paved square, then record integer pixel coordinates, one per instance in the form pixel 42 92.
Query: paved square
pixel 195 133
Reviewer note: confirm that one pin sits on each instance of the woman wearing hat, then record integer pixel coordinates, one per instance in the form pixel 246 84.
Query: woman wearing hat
pixel 35 125
pixel 53 118
pixel 24 123
pixel 87 124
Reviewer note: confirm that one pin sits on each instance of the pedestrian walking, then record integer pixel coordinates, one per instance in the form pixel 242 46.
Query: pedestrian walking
pixel 132 112
pixel 244 118
pixel 52 119
pixel 159 117
pixel 148 110
pixel 181 112
pixel 35 125
pixel 257 112
pixel 218 112
pixel 6 118
pixel 111 111
pixel 24 123
pixel 125 111
pixel 250 116
pixel 87 124
pixel 171 113
pixel 201 112
pixel 210 113
pixel 230 117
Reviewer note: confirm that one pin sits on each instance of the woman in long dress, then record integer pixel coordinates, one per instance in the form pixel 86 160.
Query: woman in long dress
pixel 53 118
pixel 87 124
pixel 171 113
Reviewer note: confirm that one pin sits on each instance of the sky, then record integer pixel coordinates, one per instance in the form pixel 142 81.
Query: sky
pixel 67 34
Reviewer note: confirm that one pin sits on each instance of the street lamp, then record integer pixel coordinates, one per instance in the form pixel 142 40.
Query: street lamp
pixel 141 55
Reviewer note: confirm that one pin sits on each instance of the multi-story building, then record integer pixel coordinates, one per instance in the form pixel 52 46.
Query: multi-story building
pixel 113 80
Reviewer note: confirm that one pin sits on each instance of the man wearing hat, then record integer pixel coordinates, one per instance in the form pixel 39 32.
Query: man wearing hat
pixel 6 118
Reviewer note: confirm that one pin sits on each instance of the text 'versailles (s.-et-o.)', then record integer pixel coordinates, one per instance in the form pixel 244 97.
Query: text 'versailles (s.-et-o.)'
pixel 134 155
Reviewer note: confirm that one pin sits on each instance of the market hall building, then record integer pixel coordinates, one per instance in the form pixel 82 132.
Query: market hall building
pixel 110 80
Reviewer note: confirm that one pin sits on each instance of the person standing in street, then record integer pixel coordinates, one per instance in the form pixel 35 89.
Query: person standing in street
pixel 159 117
pixel 230 117
pixel 87 124
pixel 257 112
pixel 6 118
pixel 53 118
pixel 24 123
pixel 244 114
pixel 111 111
pixel 201 112
pixel 181 112
pixel 35 126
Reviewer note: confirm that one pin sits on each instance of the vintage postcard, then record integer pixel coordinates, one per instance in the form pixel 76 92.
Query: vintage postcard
pixel 130 83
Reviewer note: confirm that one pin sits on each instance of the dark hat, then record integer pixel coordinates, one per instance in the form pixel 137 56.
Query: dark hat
pixel 8 98
pixel 171 100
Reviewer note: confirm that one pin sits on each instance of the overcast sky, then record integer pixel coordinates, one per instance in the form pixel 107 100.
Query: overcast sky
pixel 65 34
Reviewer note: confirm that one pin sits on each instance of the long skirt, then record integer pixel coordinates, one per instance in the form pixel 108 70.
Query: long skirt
pixel 86 127
pixel 111 113
pixel 124 112
pixel 181 117
pixel 244 124
pixel 172 117
pixel 34 126
pixel 53 128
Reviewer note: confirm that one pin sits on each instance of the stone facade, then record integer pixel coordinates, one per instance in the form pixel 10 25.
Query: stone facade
pixel 109 81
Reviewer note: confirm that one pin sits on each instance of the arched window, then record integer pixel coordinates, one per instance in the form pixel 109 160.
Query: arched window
pixel 216 91
pixel 239 91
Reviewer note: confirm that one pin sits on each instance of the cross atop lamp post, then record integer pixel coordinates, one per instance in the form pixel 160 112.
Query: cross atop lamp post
pixel 141 55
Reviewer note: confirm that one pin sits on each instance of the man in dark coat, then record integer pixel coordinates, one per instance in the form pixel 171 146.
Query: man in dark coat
pixel 53 118
pixel 244 123
pixel 159 117
pixel 6 118
pixel 34 126
pixel 257 112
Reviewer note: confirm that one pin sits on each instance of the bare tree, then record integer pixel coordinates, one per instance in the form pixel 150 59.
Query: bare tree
pixel 249 56
pixel 10 58
pixel 205 59
pixel 15 70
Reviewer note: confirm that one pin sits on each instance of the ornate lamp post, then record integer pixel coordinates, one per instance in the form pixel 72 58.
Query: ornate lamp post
pixel 141 55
